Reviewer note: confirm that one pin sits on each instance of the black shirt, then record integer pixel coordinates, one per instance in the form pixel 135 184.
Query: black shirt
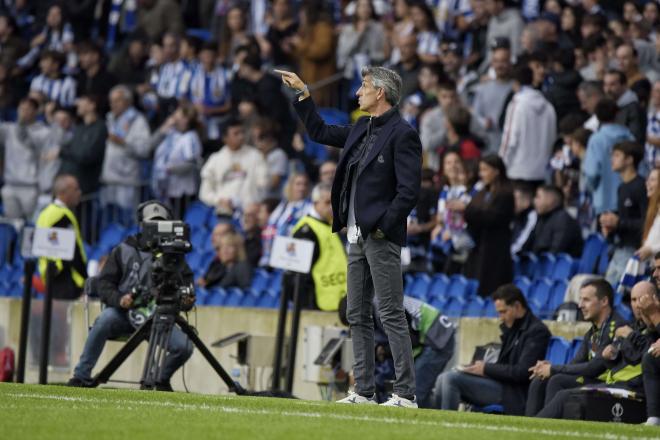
pixel 631 206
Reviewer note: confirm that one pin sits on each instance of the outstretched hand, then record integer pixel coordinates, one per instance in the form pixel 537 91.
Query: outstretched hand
pixel 290 79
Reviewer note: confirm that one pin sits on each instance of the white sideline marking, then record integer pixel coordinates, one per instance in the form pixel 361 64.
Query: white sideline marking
pixel 315 415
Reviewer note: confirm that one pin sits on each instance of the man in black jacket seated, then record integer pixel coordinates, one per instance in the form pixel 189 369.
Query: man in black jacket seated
pixel 620 363
pixel 524 342
pixel 596 298
pixel 555 231
pixel 129 267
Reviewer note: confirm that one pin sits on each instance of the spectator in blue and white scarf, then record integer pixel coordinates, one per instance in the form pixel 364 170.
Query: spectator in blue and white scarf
pixel 177 159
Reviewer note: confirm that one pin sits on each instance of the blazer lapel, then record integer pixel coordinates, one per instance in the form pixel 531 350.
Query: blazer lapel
pixel 353 137
pixel 384 134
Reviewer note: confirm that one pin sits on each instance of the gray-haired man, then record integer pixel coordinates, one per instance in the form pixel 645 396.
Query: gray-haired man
pixel 376 186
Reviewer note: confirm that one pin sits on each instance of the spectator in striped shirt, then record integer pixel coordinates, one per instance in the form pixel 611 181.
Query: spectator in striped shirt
pixel 57 88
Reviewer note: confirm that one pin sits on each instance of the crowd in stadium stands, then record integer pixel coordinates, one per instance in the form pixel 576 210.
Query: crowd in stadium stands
pixel 539 122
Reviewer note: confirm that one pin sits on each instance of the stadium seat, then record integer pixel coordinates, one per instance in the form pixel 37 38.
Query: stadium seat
pixel 111 236
pixel 472 288
pixel 524 284
pixel 591 253
pixel 458 287
pixel 194 260
pixel 216 297
pixel 260 278
pixel 438 302
pixel 544 265
pixel 625 312
pixel 275 282
pixel 517 266
pixel 474 308
pixel 557 295
pixel 454 307
pixel 564 268
pixel 540 292
pixel 250 298
pixel 268 299
pixel 408 282
pixel 235 297
pixel 197 215
pixel 528 262
pixel 420 286
pixel 202 295
pixel 603 260
pixel 489 309
pixel 438 287
pixel 558 350
pixel 575 347
pixel 199 238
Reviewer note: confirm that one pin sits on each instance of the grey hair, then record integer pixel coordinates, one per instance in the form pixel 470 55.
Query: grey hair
pixel 591 88
pixel 125 92
pixel 385 79
pixel 319 189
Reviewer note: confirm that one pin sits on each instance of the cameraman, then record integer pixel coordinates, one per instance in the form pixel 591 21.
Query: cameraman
pixel 125 275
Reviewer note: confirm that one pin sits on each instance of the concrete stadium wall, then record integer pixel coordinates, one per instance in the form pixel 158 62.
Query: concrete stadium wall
pixel 214 323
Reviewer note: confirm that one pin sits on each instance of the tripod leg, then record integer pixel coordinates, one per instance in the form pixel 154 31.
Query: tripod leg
pixel 190 332
pixel 140 335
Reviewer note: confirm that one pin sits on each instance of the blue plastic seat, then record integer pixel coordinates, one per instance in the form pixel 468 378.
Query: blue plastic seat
pixel 472 288
pixel 197 215
pixel 591 253
pixel 202 295
pixel 557 295
pixel 558 350
pixel 235 297
pixel 524 284
pixel 216 297
pixel 420 286
pixel 111 236
pixel 260 279
pixel 438 302
pixel 438 287
pixel 489 309
pixel 199 238
pixel 575 347
pixel 544 265
pixel 454 307
pixel 275 282
pixel 457 287
pixel 528 263
pixel 474 308
pixel 564 268
pixel 625 312
pixel 540 292
pixel 268 299
pixel 250 298
pixel 194 260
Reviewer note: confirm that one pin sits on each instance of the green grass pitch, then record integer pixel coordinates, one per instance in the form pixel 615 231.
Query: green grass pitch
pixel 57 412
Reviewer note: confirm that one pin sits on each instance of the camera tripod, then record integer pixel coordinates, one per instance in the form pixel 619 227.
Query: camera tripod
pixel 156 330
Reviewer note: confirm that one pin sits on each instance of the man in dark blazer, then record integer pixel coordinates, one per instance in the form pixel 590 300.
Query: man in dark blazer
pixel 376 185
pixel 524 342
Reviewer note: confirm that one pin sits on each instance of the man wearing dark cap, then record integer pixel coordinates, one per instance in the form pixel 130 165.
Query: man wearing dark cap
pixel 126 274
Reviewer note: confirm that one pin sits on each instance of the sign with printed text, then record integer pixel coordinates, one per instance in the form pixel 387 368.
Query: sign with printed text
pixel 54 243
pixel 292 254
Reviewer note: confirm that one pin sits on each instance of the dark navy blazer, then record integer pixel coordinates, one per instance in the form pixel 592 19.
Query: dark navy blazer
pixel 388 184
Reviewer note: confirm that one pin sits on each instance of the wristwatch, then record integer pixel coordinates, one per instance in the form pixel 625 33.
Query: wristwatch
pixel 303 90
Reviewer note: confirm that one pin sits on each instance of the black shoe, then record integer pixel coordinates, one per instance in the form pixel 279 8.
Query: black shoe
pixel 76 382
pixel 164 386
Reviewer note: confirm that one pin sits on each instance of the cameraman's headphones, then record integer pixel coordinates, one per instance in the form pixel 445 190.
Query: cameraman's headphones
pixel 153 210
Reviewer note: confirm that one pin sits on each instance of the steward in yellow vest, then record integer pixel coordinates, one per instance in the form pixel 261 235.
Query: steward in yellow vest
pixel 69 275
pixel 326 284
